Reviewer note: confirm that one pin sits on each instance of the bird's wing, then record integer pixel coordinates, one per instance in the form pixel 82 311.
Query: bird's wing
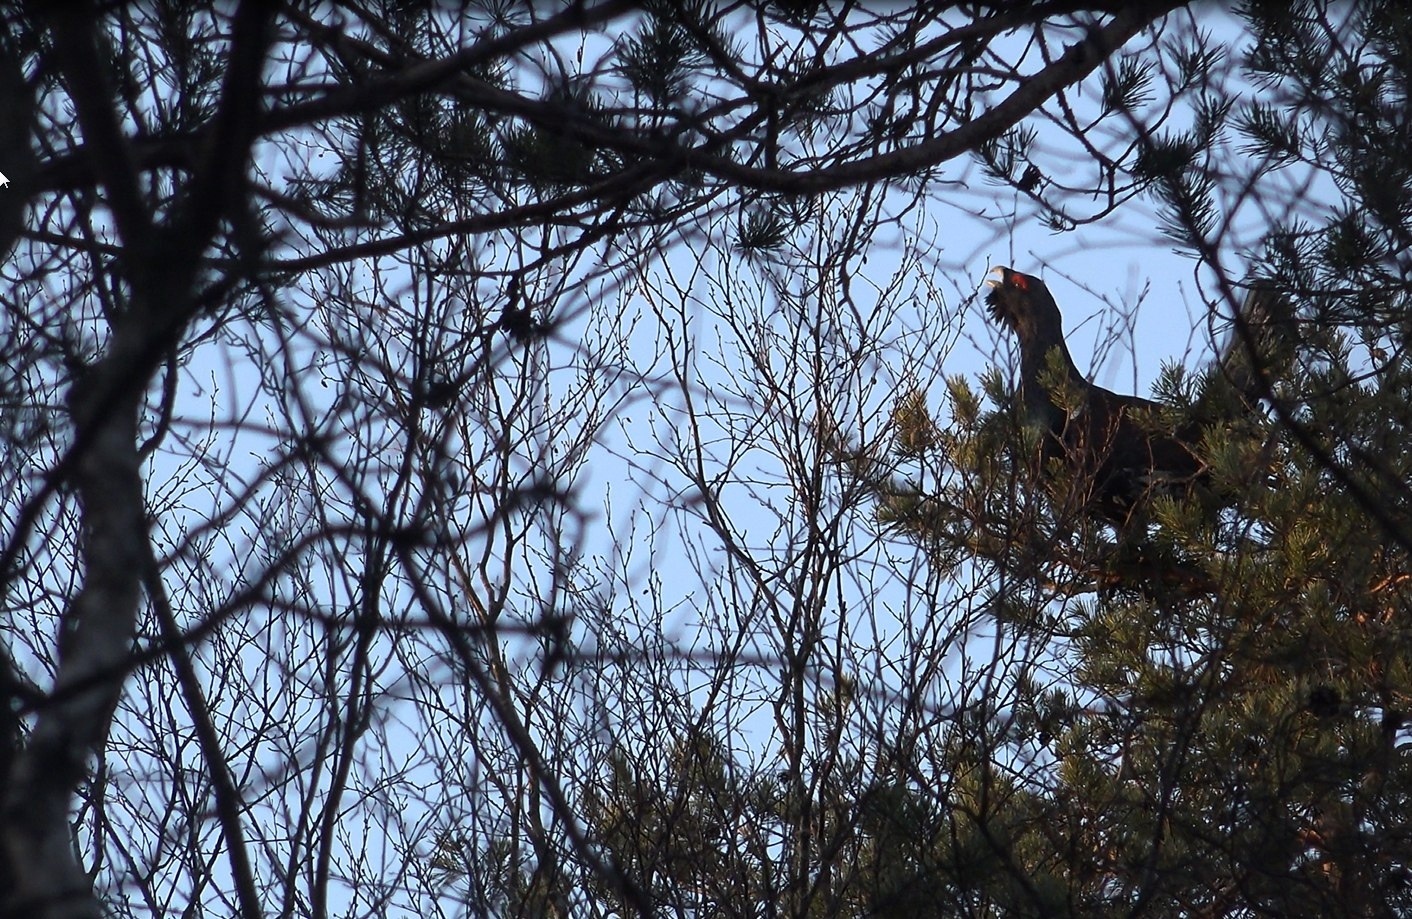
pixel 1117 436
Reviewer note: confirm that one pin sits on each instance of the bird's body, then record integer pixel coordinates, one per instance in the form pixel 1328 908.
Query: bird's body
pixel 1113 443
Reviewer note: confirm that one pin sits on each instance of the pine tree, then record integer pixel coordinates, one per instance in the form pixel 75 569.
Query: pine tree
pixel 1234 745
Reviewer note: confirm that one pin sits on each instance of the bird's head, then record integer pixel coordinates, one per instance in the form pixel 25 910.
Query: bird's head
pixel 1022 304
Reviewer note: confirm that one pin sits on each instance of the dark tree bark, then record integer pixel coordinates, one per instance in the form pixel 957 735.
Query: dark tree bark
pixel 103 462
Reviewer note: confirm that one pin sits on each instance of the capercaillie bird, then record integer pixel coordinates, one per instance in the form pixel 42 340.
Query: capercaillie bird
pixel 1118 449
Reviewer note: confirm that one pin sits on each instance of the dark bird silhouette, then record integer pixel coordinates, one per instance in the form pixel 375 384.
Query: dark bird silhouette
pixel 1261 350
pixel 1116 445
pixel 517 318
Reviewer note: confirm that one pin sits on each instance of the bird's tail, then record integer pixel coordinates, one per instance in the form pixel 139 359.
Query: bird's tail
pixel 1261 346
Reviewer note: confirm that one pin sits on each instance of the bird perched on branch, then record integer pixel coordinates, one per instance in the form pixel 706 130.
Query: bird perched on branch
pixel 1116 445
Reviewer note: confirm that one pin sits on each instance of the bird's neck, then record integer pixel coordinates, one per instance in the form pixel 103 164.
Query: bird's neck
pixel 1035 366
pixel 1035 358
